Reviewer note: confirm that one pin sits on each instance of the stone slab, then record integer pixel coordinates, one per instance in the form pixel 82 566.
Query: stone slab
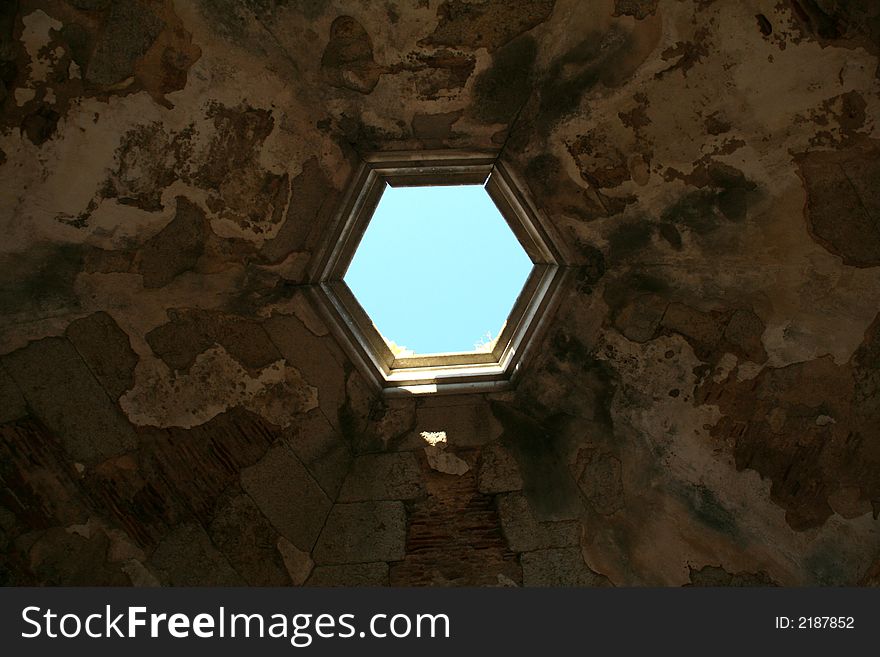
pixel 288 496
pixel 357 574
pixel 62 392
pixel 394 476
pixel 362 532
pixel 106 350
pixel 186 557
pixel 499 472
pixel 559 567
pixel 525 533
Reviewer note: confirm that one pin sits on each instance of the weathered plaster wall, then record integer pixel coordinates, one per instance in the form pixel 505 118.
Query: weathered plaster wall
pixel 705 408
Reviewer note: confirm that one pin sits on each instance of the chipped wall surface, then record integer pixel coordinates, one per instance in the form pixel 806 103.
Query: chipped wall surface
pixel 703 410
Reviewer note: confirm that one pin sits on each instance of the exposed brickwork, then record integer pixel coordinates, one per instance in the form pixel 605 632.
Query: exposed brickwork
pixel 454 535
pixel 177 474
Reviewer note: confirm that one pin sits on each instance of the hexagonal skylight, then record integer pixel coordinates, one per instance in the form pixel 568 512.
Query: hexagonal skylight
pixel 438 270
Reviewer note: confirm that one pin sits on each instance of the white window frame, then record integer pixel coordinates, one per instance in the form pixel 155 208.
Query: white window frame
pixel 438 373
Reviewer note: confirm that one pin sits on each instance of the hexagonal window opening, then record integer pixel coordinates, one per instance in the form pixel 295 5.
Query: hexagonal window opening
pixel 438 270
pixel 438 273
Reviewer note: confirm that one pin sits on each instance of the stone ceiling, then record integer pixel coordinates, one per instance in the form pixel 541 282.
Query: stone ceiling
pixel 705 408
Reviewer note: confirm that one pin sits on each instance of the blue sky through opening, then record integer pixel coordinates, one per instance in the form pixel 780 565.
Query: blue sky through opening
pixel 438 269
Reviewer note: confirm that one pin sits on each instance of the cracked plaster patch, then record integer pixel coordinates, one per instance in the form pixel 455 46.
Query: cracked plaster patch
pixel 36 35
pixel 215 383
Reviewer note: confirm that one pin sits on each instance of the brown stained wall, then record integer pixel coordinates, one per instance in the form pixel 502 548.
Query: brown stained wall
pixel 703 410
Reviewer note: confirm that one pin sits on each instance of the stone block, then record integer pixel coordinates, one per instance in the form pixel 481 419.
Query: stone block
pixel 524 533
pixel 288 496
pixel 394 476
pixel 599 476
pixel 499 472
pixel 106 350
pixel 559 567
pixel 59 557
pixel 467 423
pixel 299 564
pixel 186 557
pixel 321 448
pixel 62 392
pixel 362 532
pixel 176 248
pixel 247 539
pixel 639 318
pixel 317 358
pixel 190 332
pixel 12 404
pixel 356 574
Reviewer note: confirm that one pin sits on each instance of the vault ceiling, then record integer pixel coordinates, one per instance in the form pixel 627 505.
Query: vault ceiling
pixel 704 408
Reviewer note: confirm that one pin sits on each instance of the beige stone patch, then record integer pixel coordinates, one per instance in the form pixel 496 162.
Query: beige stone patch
pixel 824 420
pixel 299 564
pixel 446 462
pixel 35 36
pixel 748 370
pixel 725 365
pixel 24 95
pixel 776 419
pixel 215 383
